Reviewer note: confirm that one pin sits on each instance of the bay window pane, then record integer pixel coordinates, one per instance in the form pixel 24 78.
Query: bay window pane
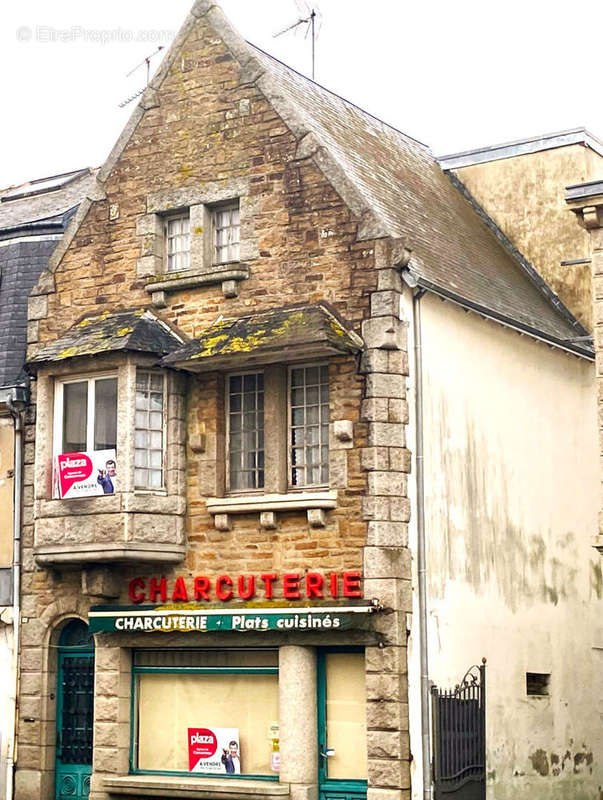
pixel 309 426
pixel 75 417
pixel 246 414
pixel 148 435
pixel 105 414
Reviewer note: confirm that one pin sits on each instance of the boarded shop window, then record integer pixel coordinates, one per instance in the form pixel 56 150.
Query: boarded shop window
pixel 346 715
pixel 205 712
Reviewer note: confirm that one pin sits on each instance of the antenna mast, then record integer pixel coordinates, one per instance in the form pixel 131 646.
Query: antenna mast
pixel 310 21
pixel 146 61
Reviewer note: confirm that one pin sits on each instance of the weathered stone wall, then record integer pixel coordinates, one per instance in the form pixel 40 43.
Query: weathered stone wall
pixel 525 197
pixel 209 123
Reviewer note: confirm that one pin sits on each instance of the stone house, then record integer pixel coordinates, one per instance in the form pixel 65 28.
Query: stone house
pixel 235 580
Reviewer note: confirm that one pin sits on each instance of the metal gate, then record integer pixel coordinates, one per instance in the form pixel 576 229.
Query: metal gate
pixel 459 738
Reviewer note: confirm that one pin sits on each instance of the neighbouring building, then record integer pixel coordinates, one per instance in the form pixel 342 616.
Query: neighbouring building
pixel 521 186
pixel 309 433
pixel 33 217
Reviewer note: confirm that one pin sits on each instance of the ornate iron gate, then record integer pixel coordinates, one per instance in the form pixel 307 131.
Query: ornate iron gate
pixel 459 738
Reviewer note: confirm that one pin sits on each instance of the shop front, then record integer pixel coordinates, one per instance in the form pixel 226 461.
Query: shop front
pixel 230 699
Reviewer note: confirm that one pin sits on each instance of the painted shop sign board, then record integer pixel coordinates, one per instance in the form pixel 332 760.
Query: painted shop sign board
pixel 137 619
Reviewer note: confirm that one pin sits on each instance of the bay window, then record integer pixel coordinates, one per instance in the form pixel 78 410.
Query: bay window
pixel 301 409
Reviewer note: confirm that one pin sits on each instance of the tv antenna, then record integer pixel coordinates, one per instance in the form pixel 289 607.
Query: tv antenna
pixel 310 16
pixel 146 61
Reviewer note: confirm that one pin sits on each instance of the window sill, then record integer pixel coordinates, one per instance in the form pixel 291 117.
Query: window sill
pixel 314 503
pixel 228 275
pixel 205 788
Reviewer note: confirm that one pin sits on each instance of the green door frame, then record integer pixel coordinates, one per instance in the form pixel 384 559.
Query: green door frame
pixel 72 781
pixel 332 788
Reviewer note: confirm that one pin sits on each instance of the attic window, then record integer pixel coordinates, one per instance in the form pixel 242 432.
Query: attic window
pixel 537 684
pixel 177 242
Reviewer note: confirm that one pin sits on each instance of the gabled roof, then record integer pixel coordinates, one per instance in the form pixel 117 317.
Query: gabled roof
pixel 391 182
pixel 311 330
pixel 137 330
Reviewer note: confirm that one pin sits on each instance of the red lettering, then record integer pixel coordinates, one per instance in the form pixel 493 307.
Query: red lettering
pixel 351 584
pixel 314 583
pixel 268 579
pixel 291 586
pixel 180 592
pixel 201 588
pixel 246 593
pixel 221 593
pixel 158 588
pixel 333 584
pixel 136 597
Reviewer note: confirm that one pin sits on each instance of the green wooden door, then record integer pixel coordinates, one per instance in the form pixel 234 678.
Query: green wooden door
pixel 75 709
pixel 341 725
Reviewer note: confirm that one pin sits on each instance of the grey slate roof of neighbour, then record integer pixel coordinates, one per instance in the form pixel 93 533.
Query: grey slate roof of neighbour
pixel 44 200
pixel 311 326
pixel 32 219
pixel 129 330
pixel 453 248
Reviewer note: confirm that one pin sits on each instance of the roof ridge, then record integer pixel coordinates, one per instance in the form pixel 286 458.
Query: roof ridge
pixel 340 97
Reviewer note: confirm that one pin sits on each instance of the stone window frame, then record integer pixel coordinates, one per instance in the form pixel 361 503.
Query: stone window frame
pixel 124 367
pixel 201 202
pixel 278 494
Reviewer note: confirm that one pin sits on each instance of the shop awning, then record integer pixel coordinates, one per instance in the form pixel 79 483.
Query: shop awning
pixel 278 335
pixel 137 330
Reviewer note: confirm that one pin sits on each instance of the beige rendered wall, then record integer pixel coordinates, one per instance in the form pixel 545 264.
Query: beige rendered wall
pixel 511 464
pixel 525 197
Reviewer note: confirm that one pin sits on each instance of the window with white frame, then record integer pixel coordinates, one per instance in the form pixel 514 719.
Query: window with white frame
pixel 177 243
pixel 227 233
pixel 299 406
pixel 309 425
pixel 246 431
pixel 85 414
pixel 149 433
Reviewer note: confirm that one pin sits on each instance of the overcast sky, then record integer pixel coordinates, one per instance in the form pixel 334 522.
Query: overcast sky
pixel 455 75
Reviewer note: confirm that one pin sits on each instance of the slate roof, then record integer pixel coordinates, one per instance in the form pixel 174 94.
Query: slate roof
pixel 130 330
pixel 33 217
pixel 308 327
pixel 453 247
pixel 43 200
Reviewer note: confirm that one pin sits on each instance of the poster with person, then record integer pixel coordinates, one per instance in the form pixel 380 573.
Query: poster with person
pixel 85 474
pixel 214 750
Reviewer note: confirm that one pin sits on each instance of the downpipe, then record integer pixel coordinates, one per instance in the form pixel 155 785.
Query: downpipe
pixel 421 546
pixel 17 500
